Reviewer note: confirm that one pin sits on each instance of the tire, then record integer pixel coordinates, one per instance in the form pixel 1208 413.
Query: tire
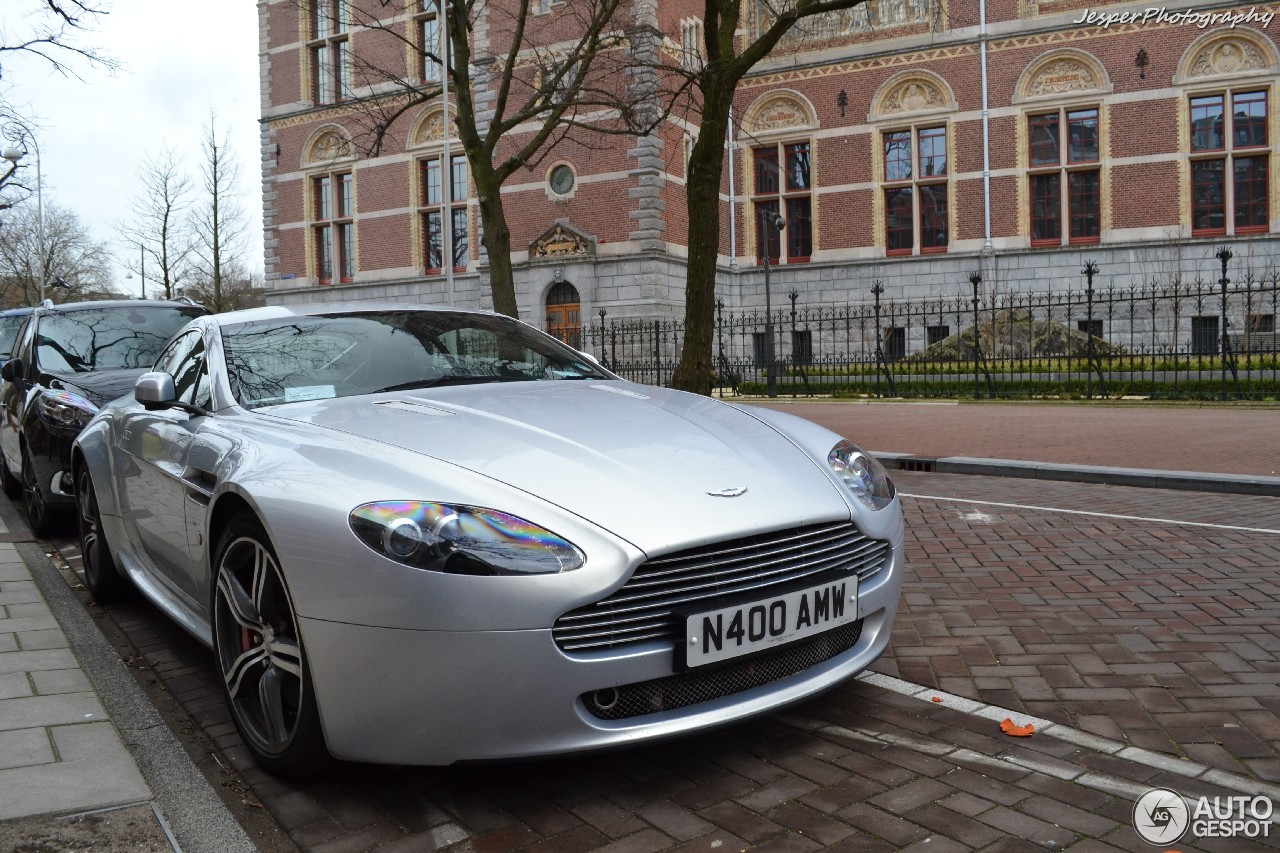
pixel 265 676
pixel 44 521
pixel 12 485
pixel 101 576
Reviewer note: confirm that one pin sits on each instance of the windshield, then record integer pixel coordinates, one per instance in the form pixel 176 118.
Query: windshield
pixel 291 359
pixel 112 337
pixel 9 327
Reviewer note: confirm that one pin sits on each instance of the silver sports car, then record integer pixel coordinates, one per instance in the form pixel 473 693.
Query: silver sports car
pixel 421 536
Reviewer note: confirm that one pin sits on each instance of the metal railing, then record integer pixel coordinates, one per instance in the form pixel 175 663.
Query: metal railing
pixel 1176 340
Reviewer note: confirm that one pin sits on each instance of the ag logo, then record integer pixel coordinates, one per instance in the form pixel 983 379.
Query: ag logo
pixel 1161 816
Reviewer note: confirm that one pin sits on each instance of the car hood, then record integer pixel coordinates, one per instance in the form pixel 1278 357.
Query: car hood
pixel 656 467
pixel 99 387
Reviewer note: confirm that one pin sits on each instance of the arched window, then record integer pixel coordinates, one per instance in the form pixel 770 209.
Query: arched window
pixel 1227 82
pixel 564 314
pixel 912 112
pixel 331 204
pixel 781 176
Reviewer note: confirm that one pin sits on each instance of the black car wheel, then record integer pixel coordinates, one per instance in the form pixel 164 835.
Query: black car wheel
pixel 12 485
pixel 264 669
pixel 100 573
pixel 42 519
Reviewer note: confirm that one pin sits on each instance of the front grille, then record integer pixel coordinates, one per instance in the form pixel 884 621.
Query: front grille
pixel 641 611
pixel 680 691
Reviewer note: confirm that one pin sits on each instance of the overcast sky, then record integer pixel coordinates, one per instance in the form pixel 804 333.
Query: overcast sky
pixel 181 59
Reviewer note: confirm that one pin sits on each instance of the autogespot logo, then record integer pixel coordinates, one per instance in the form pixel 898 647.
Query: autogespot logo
pixel 1161 816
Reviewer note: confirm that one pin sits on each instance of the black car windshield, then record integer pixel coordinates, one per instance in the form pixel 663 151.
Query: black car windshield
pixel 292 359
pixel 109 337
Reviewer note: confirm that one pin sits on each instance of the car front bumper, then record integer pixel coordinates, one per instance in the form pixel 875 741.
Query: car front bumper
pixel 398 696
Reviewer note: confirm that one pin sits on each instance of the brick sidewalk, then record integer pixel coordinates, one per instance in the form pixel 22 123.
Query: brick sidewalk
pixel 1172 438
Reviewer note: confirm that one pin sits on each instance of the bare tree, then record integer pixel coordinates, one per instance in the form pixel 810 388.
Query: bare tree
pixel 75 265
pixel 238 289
pixel 218 223
pixel 15 187
pixel 729 56
pixel 51 30
pixel 538 80
pixel 160 228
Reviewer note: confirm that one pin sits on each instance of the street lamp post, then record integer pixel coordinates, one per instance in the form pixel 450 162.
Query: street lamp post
pixel 1224 255
pixel 769 217
pixel 13 154
pixel 1089 271
pixel 975 279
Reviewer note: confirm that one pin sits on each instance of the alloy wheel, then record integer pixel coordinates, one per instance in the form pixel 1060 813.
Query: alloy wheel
pixel 33 498
pixel 100 573
pixel 258 648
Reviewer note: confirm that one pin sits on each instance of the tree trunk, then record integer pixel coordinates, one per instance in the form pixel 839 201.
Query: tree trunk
pixel 696 371
pixel 497 241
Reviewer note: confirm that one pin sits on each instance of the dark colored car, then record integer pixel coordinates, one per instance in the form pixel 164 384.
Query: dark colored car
pixel 68 360
pixel 10 322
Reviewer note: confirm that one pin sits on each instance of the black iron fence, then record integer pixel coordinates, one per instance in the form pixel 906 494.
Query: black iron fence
pixel 1178 340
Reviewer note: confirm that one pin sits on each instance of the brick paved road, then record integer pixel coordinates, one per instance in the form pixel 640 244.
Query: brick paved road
pixel 1172 438
pixel 1158 635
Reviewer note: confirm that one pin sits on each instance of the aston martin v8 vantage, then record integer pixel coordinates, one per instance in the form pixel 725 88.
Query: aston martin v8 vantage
pixel 423 536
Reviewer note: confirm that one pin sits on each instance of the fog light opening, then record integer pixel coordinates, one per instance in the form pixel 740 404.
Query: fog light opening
pixel 606 699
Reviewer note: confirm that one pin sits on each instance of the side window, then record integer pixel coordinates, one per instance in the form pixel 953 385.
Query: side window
pixel 190 378
pixel 22 349
pixel 183 359
pixel 173 354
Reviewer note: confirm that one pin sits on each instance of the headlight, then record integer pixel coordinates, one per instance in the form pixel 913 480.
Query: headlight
pixel 64 410
pixel 463 540
pixel 864 476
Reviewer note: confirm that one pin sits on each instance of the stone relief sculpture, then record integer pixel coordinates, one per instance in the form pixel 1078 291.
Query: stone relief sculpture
pixel 431 129
pixel 780 113
pixel 329 146
pixel 1230 56
pixel 913 96
pixel 866 17
pixel 561 240
pixel 1061 77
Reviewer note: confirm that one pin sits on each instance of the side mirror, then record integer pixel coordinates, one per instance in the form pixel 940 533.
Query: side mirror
pixel 591 358
pixel 12 369
pixel 155 390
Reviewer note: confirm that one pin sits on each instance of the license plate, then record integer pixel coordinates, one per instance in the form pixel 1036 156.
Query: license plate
pixel 712 636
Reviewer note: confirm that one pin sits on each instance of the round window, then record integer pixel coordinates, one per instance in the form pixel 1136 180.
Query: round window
pixel 562 179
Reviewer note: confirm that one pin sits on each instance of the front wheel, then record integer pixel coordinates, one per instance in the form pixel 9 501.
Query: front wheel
pixel 100 573
pixel 12 485
pixel 264 669
pixel 42 518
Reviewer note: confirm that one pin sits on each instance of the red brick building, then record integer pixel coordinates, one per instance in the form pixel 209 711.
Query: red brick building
pixel 909 141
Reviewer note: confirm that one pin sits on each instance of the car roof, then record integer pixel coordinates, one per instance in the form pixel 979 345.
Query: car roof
pixel 115 303
pixel 16 312
pixel 311 309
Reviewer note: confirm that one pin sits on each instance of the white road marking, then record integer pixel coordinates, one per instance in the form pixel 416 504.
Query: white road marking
pixel 1048 728
pixel 1086 512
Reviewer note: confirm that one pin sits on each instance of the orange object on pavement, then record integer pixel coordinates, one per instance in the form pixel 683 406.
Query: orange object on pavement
pixel 1012 729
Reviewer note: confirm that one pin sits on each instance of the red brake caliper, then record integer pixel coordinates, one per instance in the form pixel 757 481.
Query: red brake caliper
pixel 248 639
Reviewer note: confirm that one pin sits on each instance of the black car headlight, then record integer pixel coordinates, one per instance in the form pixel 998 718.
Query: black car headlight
pixel 862 474
pixel 463 540
pixel 63 410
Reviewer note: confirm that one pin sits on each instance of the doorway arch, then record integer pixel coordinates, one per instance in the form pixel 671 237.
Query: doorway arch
pixel 564 314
